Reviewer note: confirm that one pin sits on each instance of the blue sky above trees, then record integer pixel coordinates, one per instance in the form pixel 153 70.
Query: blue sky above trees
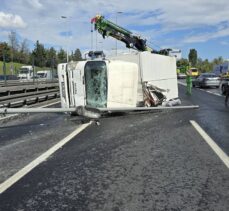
pixel 203 25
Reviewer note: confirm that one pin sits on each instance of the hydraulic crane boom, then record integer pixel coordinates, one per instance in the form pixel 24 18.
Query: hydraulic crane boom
pixel 107 28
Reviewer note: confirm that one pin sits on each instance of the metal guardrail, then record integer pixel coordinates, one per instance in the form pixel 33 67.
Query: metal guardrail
pixel 26 82
pixel 19 102
pixel 10 90
pixel 18 96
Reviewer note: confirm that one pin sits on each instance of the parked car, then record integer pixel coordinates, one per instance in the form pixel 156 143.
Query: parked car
pixel 181 75
pixel 207 80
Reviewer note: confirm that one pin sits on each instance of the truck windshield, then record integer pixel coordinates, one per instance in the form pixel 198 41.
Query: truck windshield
pixel 96 83
pixel 41 75
pixel 194 70
pixel 23 71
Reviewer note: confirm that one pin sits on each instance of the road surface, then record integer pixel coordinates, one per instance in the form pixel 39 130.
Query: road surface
pixel 147 161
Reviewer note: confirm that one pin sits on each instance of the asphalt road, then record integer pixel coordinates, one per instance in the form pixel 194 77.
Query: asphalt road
pixel 26 137
pixel 147 161
pixel 212 115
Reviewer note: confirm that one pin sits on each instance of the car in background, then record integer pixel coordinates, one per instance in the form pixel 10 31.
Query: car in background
pixel 181 75
pixel 206 80
pixel 194 72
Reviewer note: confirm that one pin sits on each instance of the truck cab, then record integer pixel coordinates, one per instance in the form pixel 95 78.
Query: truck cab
pixel 45 74
pixel 25 72
pixel 98 83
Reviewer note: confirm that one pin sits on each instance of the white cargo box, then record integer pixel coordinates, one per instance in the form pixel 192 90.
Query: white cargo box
pixel 156 69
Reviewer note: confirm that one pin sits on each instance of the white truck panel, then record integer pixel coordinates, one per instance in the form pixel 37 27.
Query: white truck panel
pixel 122 84
pixel 157 69
pixel 77 90
pixel 63 85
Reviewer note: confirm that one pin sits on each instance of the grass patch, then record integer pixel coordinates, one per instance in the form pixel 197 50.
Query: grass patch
pixel 16 67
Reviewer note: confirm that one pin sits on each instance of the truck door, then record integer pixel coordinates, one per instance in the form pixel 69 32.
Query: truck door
pixel 71 88
pixel 95 73
pixel 79 93
pixel 63 84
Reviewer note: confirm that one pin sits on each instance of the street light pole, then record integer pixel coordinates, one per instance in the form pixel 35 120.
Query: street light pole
pixel 68 35
pixel 116 21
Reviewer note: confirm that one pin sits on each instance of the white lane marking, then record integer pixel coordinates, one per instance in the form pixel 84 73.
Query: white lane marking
pixel 182 83
pixel 21 173
pixel 12 115
pixel 7 117
pixel 49 104
pixel 217 94
pixel 221 154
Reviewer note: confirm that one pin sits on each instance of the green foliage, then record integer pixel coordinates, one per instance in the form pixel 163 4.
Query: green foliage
pixel 182 65
pixel 77 55
pixel 204 65
pixel 24 54
pixel 62 56
pixel 4 49
pixel 192 57
pixel 16 66
pixel 19 53
pixel 51 58
pixel 218 60
pixel 39 55
pixel 8 64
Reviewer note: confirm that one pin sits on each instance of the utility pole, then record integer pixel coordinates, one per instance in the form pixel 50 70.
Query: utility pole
pixel 68 35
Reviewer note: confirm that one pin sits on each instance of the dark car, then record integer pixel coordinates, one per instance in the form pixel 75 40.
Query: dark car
pixel 206 80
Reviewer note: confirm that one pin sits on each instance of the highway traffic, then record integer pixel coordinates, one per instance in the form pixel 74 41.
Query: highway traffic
pixel 138 161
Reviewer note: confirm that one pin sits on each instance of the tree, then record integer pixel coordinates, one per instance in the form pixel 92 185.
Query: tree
pixel 182 62
pixel 24 53
pixel 39 54
pixel 218 60
pixel 51 58
pixel 62 56
pixel 77 55
pixel 4 48
pixel 192 57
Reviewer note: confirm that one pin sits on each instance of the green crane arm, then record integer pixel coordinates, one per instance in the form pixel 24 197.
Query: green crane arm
pixel 107 28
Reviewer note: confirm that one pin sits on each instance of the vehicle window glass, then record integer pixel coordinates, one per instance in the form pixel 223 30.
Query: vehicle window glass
pixel 96 84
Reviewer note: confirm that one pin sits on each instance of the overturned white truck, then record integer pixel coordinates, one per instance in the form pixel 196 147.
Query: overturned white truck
pixel 140 79
pixel 133 82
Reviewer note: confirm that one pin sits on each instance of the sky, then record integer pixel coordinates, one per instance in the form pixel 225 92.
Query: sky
pixel 179 24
